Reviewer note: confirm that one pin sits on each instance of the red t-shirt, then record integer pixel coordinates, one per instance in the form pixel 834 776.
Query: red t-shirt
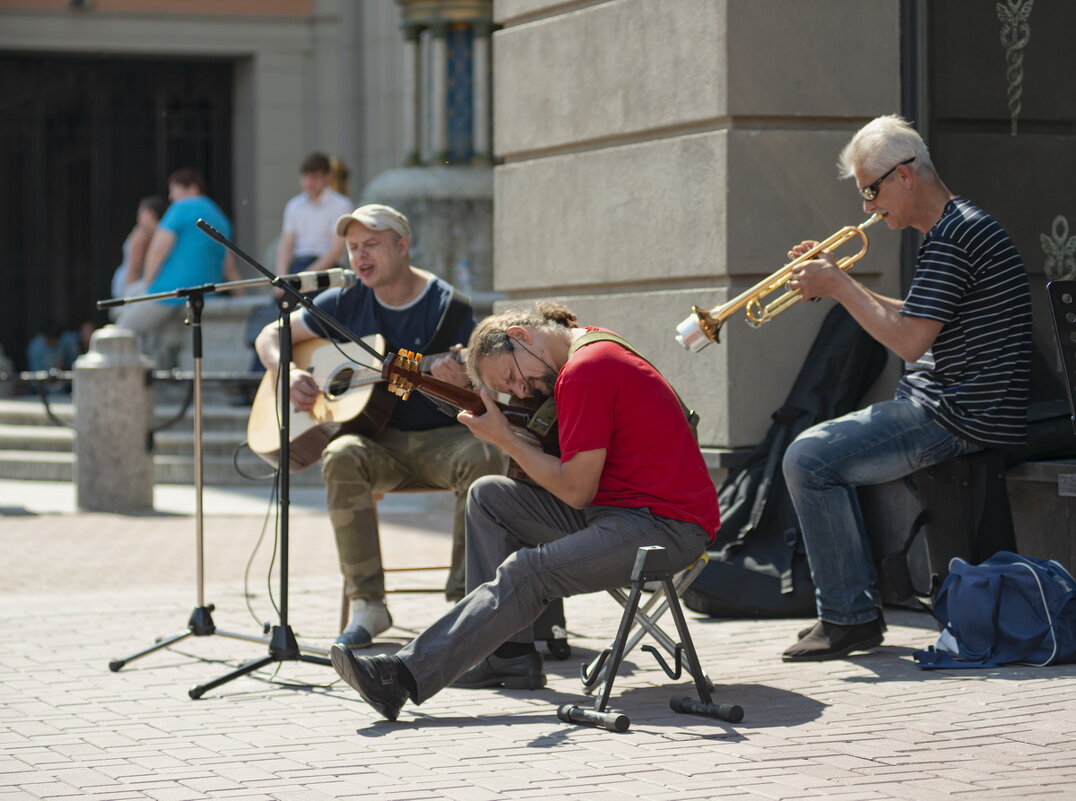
pixel 607 397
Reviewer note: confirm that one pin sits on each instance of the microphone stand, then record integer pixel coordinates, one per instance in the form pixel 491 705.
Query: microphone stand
pixel 200 623
pixel 283 645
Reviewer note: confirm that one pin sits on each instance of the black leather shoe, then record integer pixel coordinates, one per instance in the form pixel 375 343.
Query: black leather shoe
pixel 827 640
pixel 513 673
pixel 375 678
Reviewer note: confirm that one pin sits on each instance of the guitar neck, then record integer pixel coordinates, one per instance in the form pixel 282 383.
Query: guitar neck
pixel 464 399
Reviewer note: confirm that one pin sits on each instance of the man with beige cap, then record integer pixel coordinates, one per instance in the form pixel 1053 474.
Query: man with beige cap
pixel 420 446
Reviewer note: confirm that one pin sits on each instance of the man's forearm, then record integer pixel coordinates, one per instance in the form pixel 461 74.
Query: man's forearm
pixel 267 346
pixel 881 317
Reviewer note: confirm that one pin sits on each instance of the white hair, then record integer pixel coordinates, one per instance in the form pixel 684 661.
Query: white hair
pixel 883 143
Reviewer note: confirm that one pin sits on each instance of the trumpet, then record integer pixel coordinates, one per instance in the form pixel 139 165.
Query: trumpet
pixel 703 327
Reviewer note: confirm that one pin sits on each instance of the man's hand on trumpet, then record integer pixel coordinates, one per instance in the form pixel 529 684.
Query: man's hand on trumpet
pixel 818 278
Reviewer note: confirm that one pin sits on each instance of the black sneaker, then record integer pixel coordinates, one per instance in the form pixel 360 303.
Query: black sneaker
pixel 513 673
pixel 375 678
pixel 827 640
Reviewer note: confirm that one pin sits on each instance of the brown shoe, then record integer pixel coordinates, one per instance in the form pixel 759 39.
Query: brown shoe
pixel 804 632
pixel 827 640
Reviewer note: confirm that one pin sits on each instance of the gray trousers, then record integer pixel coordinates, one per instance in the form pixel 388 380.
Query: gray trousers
pixel 525 548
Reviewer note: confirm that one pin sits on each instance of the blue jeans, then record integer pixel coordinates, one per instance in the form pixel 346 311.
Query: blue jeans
pixel 825 464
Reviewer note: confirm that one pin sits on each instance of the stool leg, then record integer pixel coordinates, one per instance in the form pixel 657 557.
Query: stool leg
pixel 597 716
pixel 617 656
pixel 704 706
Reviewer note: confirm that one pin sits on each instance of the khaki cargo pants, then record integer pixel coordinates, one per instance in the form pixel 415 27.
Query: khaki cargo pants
pixel 355 467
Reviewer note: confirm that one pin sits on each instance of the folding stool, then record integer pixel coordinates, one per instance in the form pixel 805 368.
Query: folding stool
pixel 651 564
pixel 646 618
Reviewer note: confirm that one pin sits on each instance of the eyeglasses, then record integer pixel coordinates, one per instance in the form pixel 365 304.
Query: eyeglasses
pixel 870 191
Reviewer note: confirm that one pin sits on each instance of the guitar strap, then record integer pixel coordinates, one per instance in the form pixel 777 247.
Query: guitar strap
pixel 456 311
pixel 605 336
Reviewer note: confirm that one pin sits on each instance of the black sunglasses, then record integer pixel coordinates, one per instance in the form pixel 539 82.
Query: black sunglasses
pixel 870 192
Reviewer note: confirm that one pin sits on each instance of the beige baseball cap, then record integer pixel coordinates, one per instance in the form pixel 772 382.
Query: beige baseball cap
pixel 376 217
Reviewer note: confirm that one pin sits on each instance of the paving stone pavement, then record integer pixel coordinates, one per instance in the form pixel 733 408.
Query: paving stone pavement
pixel 79 590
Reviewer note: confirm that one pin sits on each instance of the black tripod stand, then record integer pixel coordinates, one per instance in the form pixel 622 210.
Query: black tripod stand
pixel 201 619
pixel 283 645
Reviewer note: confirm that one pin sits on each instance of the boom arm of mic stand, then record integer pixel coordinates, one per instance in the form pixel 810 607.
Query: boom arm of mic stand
pixel 277 281
pixel 204 289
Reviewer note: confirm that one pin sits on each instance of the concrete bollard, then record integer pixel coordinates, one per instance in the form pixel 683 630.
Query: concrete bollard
pixel 113 413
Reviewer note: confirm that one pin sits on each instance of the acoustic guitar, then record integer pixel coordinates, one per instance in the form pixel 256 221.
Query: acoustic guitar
pixel 533 420
pixel 349 391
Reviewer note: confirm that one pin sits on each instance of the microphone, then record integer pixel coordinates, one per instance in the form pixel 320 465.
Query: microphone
pixel 316 280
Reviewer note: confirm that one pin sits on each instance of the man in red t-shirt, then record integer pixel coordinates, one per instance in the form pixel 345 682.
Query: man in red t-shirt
pixel 629 474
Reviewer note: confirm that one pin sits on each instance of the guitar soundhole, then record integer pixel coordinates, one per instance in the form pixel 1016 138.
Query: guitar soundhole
pixel 340 383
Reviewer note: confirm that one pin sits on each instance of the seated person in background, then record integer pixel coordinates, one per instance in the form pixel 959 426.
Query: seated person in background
pixel 180 255
pixel 308 239
pixel 53 348
pixel 420 446
pixel 630 474
pixel 127 280
pixel 964 333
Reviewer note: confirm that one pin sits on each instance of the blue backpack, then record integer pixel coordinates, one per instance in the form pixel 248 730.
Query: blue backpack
pixel 1009 608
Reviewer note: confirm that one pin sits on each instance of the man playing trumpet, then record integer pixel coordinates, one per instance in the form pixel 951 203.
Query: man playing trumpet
pixel 964 333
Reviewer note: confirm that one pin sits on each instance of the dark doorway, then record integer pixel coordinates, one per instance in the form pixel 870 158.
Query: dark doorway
pixel 82 140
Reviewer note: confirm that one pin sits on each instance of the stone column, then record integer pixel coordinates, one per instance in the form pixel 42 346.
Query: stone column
pixel 113 415
pixel 483 148
pixel 435 103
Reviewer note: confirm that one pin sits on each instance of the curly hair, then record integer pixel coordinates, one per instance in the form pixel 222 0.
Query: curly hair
pixel 490 336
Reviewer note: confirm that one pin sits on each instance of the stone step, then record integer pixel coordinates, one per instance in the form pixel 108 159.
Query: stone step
pixel 36 438
pixel 33 465
pixel 32 447
pixel 168 441
pixel 28 411
pixel 36 465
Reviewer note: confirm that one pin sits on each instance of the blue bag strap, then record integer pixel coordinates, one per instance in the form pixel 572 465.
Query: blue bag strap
pixel 979 631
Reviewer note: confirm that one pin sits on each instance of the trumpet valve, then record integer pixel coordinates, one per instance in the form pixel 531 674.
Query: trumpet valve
pixel 756 315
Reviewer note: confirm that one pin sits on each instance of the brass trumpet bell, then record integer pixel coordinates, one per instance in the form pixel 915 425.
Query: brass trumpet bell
pixel 703 327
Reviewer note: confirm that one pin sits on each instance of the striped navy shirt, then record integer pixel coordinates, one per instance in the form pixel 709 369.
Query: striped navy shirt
pixel 970 277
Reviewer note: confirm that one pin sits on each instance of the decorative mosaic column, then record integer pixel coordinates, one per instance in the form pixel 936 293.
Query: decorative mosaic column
pixel 482 136
pixel 435 102
pixel 412 112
